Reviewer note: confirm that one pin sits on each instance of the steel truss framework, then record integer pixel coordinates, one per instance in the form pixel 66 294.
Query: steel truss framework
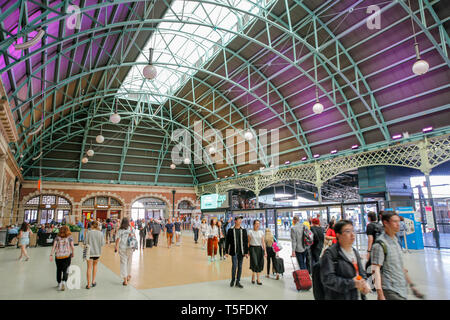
pixel 99 97
pixel 423 155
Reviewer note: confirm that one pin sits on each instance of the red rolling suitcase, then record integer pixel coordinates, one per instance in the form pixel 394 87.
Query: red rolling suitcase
pixel 302 279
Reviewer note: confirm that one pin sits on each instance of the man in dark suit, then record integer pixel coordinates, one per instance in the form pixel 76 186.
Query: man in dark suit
pixel 236 245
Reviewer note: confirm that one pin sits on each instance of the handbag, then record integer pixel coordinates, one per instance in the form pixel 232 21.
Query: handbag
pixel 276 247
pixel 86 252
pixel 149 235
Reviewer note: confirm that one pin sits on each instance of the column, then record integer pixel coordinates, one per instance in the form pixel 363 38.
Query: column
pixel 431 203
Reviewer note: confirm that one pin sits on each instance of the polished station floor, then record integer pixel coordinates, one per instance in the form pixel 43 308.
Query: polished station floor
pixel 184 272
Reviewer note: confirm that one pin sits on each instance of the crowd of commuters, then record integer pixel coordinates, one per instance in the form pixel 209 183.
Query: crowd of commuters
pixel 336 267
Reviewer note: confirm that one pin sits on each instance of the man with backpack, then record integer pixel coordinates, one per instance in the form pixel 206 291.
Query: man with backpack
pixel 391 277
pixel 300 233
pixel 373 230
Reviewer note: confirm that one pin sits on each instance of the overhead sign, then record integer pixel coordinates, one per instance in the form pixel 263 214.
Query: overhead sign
pixel 214 201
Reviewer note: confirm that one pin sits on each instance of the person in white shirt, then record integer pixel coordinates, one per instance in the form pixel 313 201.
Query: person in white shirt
pixel 212 232
pixel 257 250
pixel 203 230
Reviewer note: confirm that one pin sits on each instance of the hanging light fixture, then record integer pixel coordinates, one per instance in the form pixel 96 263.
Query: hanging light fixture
pixel 212 150
pixel 248 135
pixel 317 107
pixel 150 71
pixel 187 161
pixel 100 138
pixel 420 66
pixel 173 166
pixel 90 152
pixel 115 117
pixel 85 160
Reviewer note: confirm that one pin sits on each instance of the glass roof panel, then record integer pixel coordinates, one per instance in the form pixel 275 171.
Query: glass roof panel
pixel 180 48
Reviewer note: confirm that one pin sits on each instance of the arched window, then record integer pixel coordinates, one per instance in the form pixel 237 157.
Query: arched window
pixel 47 208
pixel 147 208
pixel 101 207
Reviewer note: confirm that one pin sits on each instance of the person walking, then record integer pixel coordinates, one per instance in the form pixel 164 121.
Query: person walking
pixel 196 228
pixel 269 239
pixel 330 235
pixel 373 231
pixel 222 234
pixel 298 249
pixel 109 230
pixel 317 246
pixel 64 250
pixel 212 233
pixel 236 245
pixel 155 229
pixel 24 240
pixel 257 250
pixel 125 244
pixel 391 277
pixel 169 232
pixel 81 226
pixel 177 225
pixel 401 235
pixel 142 234
pixel 341 270
pixel 95 241
pixel 203 230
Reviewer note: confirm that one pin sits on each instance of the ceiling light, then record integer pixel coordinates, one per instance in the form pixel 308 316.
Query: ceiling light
pixel 355 146
pixel 149 70
pixel 304 158
pixel 100 138
pixel 212 150
pixel 250 170
pixel 261 168
pixel 115 118
pixel 226 176
pixel 318 107
pixel 85 160
pixel 90 153
pixel 21 156
pixel 333 151
pixel 427 129
pixel 187 161
pixel 173 166
pixel 316 155
pixel 420 67
pixel 248 135
pixel 397 136
pixel 287 162
pixel 32 42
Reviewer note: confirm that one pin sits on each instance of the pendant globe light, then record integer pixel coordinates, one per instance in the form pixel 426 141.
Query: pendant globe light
pixel 173 166
pixel 85 160
pixel 115 117
pixel 90 152
pixel 100 138
pixel 149 70
pixel 248 135
pixel 420 67
pixel 212 150
pixel 317 107
pixel 187 161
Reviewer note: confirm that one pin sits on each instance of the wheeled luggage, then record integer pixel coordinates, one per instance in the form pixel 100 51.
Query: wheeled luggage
pixel 279 265
pixel 149 243
pixel 302 279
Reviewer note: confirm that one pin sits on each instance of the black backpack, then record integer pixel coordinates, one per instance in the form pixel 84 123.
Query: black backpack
pixel 378 231
pixel 318 289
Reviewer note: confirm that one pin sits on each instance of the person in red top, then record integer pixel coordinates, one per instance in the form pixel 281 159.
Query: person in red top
pixel 331 235
pixel 132 224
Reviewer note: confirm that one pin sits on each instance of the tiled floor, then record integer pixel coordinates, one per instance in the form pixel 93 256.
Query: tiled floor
pixel 185 273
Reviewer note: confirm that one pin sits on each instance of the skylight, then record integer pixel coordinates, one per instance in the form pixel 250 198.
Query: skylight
pixel 182 44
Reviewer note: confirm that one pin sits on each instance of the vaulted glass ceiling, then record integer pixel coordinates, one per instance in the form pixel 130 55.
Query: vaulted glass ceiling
pixel 182 44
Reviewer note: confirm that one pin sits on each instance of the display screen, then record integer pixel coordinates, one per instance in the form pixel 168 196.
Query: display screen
pixel 214 201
